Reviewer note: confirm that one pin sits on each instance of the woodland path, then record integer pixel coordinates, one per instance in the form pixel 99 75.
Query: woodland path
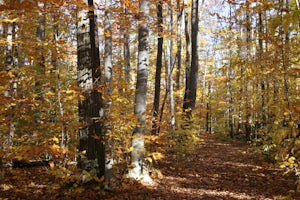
pixel 217 170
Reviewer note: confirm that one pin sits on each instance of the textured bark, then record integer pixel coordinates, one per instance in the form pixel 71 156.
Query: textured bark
pixel 194 59
pixel 191 85
pixel 187 59
pixel 126 48
pixel 179 44
pixel 262 83
pixel 108 71
pixel 160 40
pixel 91 137
pixel 138 170
pixel 169 69
pixel 246 82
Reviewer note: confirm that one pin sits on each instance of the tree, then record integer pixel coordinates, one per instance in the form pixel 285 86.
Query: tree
pixel 160 41
pixel 191 85
pixel 91 137
pixel 138 170
pixel 108 70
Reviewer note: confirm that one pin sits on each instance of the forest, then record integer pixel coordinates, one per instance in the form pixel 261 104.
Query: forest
pixel 149 99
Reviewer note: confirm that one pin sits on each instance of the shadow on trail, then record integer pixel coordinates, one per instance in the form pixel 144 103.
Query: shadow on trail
pixel 223 171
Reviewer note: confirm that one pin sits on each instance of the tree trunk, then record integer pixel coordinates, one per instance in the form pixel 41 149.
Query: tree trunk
pixel 108 91
pixel 138 170
pixel 126 48
pixel 190 101
pixel 160 41
pixel 187 59
pixel 91 137
pixel 169 69
pixel 179 44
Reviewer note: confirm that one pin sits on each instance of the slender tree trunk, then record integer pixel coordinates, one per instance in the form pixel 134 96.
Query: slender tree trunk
pixel 188 60
pixel 11 92
pixel 190 101
pixel 229 84
pixel 179 43
pixel 138 170
pixel 246 78
pixel 108 70
pixel 56 65
pixel 160 40
pixel 285 41
pixel 169 69
pixel 126 48
pixel 91 133
pixel 262 84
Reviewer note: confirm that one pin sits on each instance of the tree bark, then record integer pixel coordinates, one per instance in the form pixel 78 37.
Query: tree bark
pixel 108 71
pixel 187 59
pixel 191 89
pixel 91 134
pixel 179 44
pixel 138 170
pixel 160 40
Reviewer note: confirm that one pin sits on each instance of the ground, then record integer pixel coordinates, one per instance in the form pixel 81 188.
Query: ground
pixel 216 170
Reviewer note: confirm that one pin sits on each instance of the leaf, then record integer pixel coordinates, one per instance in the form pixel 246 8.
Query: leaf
pixel 149 159
pixel 10 20
pixel 55 139
pixel 130 149
pixel 51 164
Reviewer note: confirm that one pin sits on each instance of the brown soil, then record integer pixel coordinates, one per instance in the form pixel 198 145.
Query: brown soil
pixel 217 170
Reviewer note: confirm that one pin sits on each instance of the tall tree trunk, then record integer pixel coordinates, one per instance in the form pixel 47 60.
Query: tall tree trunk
pixel 138 170
pixel 11 91
pixel 190 101
pixel 262 83
pixel 246 76
pixel 179 43
pixel 229 84
pixel 108 90
pixel 126 48
pixel 285 41
pixel 57 67
pixel 187 59
pixel 91 133
pixel 160 41
pixel 169 69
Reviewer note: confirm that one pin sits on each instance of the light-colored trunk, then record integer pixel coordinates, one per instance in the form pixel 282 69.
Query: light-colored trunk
pixel 108 71
pixel 138 170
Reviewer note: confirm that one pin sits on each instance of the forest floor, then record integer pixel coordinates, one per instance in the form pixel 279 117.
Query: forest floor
pixel 216 170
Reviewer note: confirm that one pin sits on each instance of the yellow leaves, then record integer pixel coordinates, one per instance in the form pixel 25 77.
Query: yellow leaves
pixel 10 20
pixel 107 34
pixel 129 149
pixel 51 164
pixel 55 139
pixel 5 187
pixel 157 155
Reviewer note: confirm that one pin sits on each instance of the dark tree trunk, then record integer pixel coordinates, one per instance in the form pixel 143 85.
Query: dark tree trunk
pixel 126 48
pixel 160 40
pixel 179 44
pixel 187 60
pixel 191 89
pixel 91 137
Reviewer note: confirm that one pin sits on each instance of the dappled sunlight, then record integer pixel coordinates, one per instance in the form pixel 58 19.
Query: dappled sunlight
pixel 198 193
pixel 239 164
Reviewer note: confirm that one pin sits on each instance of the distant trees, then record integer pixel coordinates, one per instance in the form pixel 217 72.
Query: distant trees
pixel 244 53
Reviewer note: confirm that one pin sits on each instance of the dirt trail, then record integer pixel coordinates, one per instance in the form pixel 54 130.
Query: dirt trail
pixel 224 170
pixel 217 170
